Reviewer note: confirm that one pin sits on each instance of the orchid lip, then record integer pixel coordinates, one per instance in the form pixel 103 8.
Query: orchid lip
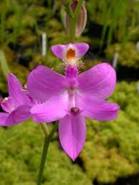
pixel 70 54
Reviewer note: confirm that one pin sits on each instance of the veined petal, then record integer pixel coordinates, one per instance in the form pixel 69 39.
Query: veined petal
pixel 59 50
pixel 53 109
pixel 72 134
pixel 44 83
pixel 98 81
pixel 97 109
pixel 16 92
pixel 104 112
pixel 19 115
pixel 14 85
pixel 3 118
pixel 81 49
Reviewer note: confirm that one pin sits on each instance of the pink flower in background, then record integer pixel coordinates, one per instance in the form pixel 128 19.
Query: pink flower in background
pixel 73 97
pixel 16 106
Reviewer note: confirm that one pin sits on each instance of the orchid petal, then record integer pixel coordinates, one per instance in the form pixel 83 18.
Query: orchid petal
pixel 97 109
pixel 16 92
pixel 72 134
pixel 59 50
pixel 3 118
pixel 53 109
pixel 98 81
pixel 103 112
pixel 44 83
pixel 81 49
pixel 8 104
pixel 19 115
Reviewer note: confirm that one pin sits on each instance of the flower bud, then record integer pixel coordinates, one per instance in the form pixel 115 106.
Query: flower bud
pixel 81 19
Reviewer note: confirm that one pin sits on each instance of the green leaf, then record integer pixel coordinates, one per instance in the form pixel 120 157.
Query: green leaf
pixel 4 64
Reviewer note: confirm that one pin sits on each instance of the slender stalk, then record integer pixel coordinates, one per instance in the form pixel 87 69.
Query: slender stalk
pixel 74 19
pixel 72 29
pixel 46 144
pixel 77 11
pixel 4 64
pixel 45 129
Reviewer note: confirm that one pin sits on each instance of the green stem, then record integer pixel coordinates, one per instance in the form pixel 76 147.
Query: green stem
pixel 47 141
pixel 72 29
pixel 77 11
pixel 4 64
pixel 74 19
pixel 45 129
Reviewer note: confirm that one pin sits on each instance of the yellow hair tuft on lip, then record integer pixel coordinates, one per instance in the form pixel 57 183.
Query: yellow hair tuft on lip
pixel 70 54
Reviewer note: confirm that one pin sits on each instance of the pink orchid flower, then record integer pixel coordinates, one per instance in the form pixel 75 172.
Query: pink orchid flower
pixel 16 106
pixel 73 97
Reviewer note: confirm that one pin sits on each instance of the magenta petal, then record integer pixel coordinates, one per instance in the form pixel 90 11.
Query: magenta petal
pixel 14 85
pixel 81 49
pixel 59 50
pixel 98 81
pixel 44 83
pixel 19 115
pixel 53 109
pixel 72 134
pixel 8 104
pixel 97 109
pixel 103 112
pixel 16 92
pixel 3 118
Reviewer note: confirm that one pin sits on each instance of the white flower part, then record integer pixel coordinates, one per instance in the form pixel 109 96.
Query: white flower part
pixel 5 99
pixel 70 55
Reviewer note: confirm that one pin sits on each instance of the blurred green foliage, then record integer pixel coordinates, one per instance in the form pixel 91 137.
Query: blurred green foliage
pixel 21 26
pixel 20 152
pixel 128 54
pixel 118 18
